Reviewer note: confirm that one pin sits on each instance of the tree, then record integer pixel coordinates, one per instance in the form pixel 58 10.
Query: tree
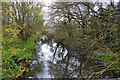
pixel 19 21
pixel 27 15
pixel 88 31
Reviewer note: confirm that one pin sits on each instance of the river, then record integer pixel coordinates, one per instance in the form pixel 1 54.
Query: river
pixel 53 61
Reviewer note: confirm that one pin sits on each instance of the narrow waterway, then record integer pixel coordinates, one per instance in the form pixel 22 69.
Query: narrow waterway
pixel 53 61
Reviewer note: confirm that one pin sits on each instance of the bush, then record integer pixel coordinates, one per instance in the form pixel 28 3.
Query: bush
pixel 15 55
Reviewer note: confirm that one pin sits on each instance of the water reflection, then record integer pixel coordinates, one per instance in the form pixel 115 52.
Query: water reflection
pixel 54 61
pixel 66 66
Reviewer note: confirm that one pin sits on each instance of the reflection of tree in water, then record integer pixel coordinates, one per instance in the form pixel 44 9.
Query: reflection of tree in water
pixel 63 65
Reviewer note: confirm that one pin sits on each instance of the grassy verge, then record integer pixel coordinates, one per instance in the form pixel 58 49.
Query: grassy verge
pixel 15 55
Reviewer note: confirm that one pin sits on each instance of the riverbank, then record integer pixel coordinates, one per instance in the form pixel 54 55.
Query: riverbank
pixel 15 56
pixel 97 53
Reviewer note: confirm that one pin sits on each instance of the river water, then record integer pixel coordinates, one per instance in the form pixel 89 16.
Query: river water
pixel 53 61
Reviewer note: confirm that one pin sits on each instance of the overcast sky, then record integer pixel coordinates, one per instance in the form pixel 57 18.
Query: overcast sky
pixel 76 0
pixel 56 0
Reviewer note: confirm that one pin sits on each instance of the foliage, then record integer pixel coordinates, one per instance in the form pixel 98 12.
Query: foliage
pixel 15 55
pixel 18 36
pixel 27 17
pixel 93 33
pixel 108 57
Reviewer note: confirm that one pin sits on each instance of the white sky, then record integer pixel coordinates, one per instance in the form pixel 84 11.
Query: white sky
pixel 56 0
pixel 76 0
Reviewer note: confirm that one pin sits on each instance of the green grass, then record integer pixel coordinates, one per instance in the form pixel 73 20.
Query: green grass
pixel 12 59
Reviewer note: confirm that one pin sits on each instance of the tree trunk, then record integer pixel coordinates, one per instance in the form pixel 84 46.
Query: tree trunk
pixel 22 36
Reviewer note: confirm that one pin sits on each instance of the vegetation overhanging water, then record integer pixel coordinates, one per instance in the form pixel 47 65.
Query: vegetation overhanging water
pixel 81 40
pixel 53 61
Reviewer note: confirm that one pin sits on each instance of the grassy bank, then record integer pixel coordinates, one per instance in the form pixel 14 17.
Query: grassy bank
pixel 15 55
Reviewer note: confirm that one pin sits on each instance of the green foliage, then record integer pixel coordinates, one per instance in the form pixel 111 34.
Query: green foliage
pixel 20 22
pixel 108 57
pixel 27 17
pixel 14 55
pixel 90 32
